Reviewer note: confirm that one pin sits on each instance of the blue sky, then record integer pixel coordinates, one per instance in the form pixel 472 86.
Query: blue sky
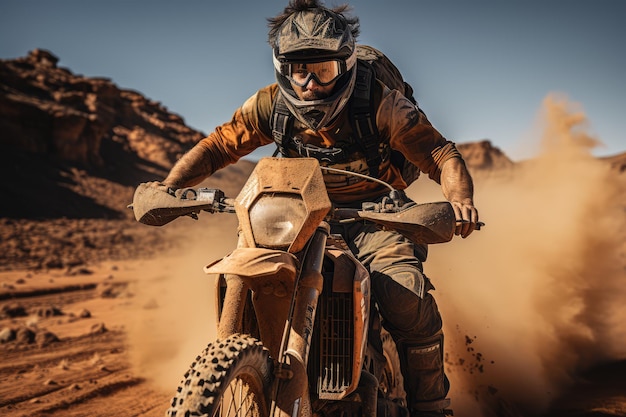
pixel 481 69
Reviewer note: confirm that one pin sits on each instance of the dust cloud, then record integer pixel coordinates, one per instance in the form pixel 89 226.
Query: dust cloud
pixel 174 315
pixel 528 302
pixel 535 297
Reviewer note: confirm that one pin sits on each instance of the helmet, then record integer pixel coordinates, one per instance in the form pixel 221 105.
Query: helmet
pixel 319 44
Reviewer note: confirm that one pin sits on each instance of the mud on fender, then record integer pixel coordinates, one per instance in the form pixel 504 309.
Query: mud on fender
pixel 249 262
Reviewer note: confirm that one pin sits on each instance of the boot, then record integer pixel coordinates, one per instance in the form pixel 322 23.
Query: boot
pixel 425 381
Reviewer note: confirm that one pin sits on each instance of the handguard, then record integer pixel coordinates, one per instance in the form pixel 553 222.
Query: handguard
pixel 427 223
pixel 155 207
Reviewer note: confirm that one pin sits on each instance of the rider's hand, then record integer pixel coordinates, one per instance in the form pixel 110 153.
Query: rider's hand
pixel 466 217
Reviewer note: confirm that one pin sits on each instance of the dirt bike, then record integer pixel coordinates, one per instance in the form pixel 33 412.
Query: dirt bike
pixel 298 331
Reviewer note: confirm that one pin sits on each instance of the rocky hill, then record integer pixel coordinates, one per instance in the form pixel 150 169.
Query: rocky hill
pixel 483 156
pixel 73 149
pixel 617 162
pixel 58 128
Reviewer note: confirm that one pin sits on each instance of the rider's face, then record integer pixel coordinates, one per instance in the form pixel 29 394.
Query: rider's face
pixel 313 91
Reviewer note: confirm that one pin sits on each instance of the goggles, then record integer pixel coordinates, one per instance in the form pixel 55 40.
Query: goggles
pixel 323 72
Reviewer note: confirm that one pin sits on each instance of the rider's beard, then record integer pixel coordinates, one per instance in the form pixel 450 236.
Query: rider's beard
pixel 310 95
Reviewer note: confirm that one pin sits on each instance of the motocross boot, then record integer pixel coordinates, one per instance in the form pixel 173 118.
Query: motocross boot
pixel 425 381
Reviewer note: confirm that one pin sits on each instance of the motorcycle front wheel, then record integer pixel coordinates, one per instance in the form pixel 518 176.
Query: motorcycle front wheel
pixel 231 377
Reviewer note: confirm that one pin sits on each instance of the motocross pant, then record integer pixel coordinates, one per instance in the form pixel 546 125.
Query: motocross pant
pixel 409 312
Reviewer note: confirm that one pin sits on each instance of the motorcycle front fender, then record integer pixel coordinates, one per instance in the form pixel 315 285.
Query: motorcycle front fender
pixel 258 270
pixel 254 262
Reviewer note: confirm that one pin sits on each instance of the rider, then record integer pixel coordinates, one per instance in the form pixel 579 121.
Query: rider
pixel 314 54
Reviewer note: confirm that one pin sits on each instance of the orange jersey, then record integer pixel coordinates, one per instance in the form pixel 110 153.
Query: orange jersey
pixel 400 124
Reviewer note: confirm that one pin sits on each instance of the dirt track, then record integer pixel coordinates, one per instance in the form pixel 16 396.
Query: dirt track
pixel 91 338
pixel 86 364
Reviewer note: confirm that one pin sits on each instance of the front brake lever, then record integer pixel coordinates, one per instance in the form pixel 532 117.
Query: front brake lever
pixel 478 226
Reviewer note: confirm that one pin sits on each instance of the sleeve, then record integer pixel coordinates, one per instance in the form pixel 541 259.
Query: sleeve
pixel 410 132
pixel 248 129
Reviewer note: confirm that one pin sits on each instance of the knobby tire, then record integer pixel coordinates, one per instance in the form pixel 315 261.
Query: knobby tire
pixel 231 377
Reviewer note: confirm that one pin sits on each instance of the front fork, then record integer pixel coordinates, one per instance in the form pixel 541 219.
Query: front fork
pixel 290 391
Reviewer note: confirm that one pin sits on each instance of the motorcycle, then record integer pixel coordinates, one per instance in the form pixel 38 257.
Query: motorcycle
pixel 298 332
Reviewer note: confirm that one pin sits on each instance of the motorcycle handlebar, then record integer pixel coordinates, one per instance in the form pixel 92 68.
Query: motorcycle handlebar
pixel 429 222
pixel 214 197
pixel 222 204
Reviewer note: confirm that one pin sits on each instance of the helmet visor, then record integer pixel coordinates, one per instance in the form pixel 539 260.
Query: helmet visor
pixel 324 72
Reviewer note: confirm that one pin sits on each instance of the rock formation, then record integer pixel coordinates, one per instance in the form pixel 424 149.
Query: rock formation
pixel 74 146
pixel 483 156
pixel 46 109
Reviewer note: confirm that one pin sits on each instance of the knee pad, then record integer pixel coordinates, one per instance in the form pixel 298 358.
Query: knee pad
pixel 407 309
pixel 409 276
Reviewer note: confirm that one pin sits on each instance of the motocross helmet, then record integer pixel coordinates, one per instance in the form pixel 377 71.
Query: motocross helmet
pixel 318 44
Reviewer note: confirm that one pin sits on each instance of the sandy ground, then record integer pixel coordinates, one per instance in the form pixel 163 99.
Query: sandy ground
pixel 85 340
pixel 92 338
pixel 71 353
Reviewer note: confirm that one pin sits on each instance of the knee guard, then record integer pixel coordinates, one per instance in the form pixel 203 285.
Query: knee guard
pixel 409 276
pixel 401 292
